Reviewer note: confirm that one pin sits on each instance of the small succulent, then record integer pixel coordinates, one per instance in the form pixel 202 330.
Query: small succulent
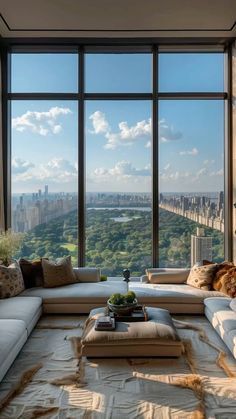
pixel 122 299
pixel 103 278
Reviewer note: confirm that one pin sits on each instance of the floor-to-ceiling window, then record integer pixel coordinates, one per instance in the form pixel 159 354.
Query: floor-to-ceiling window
pixel 125 147
pixel 44 153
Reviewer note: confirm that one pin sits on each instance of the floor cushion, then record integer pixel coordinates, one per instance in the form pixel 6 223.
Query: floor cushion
pixel 155 337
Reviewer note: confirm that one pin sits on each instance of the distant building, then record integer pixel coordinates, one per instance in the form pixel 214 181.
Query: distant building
pixel 201 247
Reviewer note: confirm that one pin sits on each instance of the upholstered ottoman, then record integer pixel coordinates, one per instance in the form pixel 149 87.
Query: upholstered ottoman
pixel 155 337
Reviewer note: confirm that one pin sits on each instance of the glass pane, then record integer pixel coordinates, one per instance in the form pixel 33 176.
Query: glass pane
pixel 118 184
pixel 44 177
pixel 184 72
pixel 118 73
pixel 49 73
pixel 191 150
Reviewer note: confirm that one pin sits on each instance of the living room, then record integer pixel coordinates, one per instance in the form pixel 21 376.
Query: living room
pixel 117 161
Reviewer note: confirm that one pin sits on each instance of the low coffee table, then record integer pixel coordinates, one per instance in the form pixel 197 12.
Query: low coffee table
pixel 156 337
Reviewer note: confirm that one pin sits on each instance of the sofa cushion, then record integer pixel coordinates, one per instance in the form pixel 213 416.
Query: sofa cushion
pixel 87 274
pixel 202 276
pixel 32 272
pixel 79 292
pixel 22 308
pixel 233 304
pixel 11 280
pixel 58 273
pixel 223 319
pixel 13 335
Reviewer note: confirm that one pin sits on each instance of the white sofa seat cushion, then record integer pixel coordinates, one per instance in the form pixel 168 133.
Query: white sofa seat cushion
pixel 223 319
pixel 169 293
pixel 13 335
pixel 96 292
pixel 22 308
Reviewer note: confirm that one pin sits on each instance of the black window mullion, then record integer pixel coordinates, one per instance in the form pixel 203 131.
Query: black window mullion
pixel 155 174
pixel 81 165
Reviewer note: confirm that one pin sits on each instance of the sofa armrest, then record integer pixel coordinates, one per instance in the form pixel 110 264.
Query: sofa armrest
pixel 167 275
pixel 87 274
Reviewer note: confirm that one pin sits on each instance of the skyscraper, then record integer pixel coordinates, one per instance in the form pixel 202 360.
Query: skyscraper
pixel 201 247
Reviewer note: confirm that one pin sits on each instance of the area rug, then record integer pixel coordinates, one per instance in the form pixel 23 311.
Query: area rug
pixel 50 380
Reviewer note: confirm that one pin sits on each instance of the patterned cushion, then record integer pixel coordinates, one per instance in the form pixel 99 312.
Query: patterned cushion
pixel 58 273
pixel 11 280
pixel 32 272
pixel 202 276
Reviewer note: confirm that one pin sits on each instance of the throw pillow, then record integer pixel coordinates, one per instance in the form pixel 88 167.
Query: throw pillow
pixel 58 273
pixel 222 269
pixel 202 276
pixel 233 304
pixel 11 280
pixel 32 272
pixel 169 277
pixel 227 283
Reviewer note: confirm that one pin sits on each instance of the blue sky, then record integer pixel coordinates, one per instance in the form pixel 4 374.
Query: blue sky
pixel 118 133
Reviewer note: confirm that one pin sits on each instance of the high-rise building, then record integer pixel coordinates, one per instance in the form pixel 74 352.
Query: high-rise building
pixel 201 247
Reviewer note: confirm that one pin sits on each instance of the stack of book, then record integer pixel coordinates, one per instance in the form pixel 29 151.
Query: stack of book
pixel 105 323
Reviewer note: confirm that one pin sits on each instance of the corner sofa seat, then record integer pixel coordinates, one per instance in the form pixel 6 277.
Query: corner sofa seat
pixel 223 319
pixel 12 337
pixel 76 298
pixel 177 298
pixel 26 309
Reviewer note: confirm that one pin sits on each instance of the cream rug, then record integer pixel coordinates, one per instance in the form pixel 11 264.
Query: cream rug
pixel 193 386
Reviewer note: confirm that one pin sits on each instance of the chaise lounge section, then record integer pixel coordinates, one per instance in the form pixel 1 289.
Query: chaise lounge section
pixel 169 290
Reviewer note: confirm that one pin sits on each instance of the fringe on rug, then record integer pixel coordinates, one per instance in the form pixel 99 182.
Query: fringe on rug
pixel 188 352
pixel 194 383
pixel 78 377
pixel 20 386
pixel 220 360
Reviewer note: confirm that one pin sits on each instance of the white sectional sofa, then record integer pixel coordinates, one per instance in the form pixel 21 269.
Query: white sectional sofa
pixel 19 315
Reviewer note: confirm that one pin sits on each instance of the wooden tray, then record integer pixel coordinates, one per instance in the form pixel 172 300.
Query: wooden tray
pixel 139 314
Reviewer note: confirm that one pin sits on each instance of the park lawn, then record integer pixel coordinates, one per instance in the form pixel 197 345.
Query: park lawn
pixel 70 247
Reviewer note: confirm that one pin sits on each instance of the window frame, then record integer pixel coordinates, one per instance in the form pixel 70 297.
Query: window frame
pixel 155 96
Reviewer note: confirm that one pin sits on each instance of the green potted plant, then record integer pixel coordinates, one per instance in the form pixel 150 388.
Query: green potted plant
pixel 10 243
pixel 122 304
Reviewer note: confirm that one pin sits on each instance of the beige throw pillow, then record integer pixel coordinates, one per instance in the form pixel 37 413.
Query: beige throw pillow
pixel 58 273
pixel 11 280
pixel 202 276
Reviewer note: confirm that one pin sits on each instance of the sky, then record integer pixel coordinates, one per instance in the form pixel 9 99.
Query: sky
pixel 118 133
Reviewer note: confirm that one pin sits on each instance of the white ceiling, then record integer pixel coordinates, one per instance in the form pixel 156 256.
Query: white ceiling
pixel 118 18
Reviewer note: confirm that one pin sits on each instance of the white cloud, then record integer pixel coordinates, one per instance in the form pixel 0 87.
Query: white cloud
pixel 148 144
pixel 217 173
pixel 121 173
pixel 208 162
pixel 167 132
pixel 42 123
pixel 167 167
pixel 57 170
pixel 126 135
pixel 193 152
pixel 99 122
pixel 20 166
